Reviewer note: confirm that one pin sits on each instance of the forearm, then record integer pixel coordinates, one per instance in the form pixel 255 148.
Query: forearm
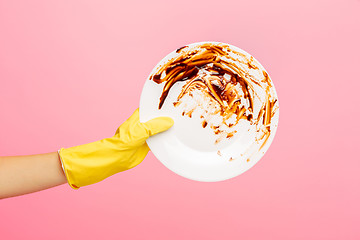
pixel 25 174
pixel 85 164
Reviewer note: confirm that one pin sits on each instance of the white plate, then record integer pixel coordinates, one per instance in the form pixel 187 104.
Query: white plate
pixel 188 148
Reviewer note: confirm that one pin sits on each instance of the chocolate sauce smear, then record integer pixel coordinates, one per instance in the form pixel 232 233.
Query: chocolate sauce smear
pixel 219 73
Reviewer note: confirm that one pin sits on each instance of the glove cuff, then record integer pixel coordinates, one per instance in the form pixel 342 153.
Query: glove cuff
pixel 73 186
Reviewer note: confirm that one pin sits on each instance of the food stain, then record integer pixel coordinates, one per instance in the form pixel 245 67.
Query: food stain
pixel 223 76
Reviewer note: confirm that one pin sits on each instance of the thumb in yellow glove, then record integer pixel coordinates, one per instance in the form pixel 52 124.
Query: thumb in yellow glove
pixel 90 163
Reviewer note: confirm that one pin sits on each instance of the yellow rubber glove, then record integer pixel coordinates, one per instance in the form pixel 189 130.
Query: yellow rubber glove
pixel 90 163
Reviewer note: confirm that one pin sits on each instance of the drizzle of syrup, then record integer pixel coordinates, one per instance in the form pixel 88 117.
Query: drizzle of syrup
pixel 220 84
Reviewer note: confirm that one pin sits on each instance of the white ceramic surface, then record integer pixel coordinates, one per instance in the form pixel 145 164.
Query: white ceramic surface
pixel 187 148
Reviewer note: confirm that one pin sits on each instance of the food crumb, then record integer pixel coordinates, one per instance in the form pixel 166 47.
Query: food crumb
pixel 248 160
pixel 219 153
pixel 231 159
pixel 230 135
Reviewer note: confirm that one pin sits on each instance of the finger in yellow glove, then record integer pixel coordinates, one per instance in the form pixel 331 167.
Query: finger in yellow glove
pixel 90 163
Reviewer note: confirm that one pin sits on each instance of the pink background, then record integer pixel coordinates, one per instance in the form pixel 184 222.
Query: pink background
pixel 72 71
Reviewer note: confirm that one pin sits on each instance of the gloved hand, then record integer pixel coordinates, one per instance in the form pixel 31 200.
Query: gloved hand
pixel 90 163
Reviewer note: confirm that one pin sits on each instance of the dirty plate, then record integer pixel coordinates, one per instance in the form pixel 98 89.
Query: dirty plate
pixel 224 105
